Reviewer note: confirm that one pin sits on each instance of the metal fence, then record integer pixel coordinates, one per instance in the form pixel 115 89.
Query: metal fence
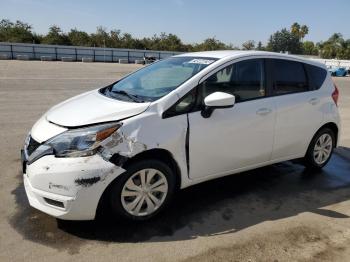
pixel 335 62
pixel 76 53
pixel 99 54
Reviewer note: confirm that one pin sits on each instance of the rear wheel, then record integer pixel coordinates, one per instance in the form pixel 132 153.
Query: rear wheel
pixel 320 149
pixel 143 190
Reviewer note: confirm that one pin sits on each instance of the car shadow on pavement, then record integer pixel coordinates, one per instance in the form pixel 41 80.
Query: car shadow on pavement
pixel 216 207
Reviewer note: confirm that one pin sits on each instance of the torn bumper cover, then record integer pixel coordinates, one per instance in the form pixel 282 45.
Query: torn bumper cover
pixel 69 188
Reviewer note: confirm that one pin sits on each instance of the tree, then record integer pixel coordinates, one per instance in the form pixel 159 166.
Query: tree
pixel 115 36
pixel 164 41
pixel 284 41
pixel 260 46
pixel 210 44
pixel 309 48
pixel 37 39
pixel 248 45
pixel 101 38
pixel 15 32
pixel 128 41
pixel 335 47
pixel 304 30
pixel 299 31
pixel 55 36
pixel 295 29
pixel 79 38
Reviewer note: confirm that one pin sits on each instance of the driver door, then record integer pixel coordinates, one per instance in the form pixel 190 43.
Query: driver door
pixel 237 137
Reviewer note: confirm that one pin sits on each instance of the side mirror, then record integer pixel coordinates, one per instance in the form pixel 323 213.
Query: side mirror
pixel 217 100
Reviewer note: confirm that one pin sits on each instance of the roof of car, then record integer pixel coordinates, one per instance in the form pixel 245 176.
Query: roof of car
pixel 220 53
pixel 240 53
pixel 232 53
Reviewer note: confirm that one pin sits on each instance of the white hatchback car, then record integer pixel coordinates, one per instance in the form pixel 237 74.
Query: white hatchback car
pixel 176 123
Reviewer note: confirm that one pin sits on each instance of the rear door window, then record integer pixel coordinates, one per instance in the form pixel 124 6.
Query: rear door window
pixel 289 77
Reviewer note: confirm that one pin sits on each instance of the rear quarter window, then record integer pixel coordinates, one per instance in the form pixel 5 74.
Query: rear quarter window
pixel 316 76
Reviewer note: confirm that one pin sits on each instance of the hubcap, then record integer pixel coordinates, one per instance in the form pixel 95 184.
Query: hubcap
pixel 144 192
pixel 323 149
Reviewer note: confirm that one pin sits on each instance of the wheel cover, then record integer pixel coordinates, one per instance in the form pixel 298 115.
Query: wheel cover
pixel 323 149
pixel 144 192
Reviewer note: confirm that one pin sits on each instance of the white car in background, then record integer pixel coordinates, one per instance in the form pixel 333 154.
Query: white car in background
pixel 175 123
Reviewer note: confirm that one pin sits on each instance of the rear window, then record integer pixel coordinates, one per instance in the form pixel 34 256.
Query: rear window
pixel 317 75
pixel 289 76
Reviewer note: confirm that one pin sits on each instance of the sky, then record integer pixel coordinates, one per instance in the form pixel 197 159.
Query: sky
pixel 192 20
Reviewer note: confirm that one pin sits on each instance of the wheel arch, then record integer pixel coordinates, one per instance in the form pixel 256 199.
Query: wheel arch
pixel 159 154
pixel 331 125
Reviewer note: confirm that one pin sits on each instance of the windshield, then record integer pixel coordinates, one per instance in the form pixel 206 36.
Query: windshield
pixel 158 79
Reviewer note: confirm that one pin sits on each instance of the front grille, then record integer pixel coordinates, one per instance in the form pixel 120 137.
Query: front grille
pixel 32 146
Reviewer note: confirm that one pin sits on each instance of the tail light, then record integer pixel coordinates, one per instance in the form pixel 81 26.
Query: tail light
pixel 335 95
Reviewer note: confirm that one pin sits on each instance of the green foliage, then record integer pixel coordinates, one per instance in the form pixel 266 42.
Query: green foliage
pixel 165 41
pixel 210 44
pixel 335 47
pixel 304 30
pixel 15 32
pixel 291 41
pixel 295 29
pixel 309 48
pixel 55 36
pixel 79 38
pixel 285 40
pixel 260 46
pixel 299 31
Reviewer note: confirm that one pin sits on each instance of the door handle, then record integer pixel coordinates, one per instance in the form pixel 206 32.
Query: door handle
pixel 314 101
pixel 263 111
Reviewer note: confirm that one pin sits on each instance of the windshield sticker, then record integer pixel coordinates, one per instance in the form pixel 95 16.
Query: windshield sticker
pixel 201 61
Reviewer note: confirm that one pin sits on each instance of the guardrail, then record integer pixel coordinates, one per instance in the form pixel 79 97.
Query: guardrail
pixel 99 54
pixel 76 53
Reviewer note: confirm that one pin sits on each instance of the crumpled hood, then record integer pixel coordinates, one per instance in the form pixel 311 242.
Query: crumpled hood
pixel 92 107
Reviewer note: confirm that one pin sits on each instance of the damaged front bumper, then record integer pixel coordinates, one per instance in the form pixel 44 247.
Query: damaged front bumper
pixel 68 188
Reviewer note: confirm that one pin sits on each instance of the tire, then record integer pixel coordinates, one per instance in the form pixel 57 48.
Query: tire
pixel 313 160
pixel 123 194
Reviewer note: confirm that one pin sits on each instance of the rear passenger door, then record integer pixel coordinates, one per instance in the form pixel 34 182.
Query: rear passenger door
pixel 298 108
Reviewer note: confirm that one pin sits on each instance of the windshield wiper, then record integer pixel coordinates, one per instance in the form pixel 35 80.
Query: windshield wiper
pixel 134 98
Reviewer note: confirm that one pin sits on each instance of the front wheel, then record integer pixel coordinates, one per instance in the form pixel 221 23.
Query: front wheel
pixel 320 149
pixel 143 190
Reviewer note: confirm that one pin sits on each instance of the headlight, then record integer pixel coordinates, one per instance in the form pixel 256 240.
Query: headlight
pixel 81 142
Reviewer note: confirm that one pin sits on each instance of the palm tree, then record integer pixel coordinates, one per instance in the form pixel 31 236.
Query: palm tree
pixel 295 29
pixel 299 31
pixel 304 30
